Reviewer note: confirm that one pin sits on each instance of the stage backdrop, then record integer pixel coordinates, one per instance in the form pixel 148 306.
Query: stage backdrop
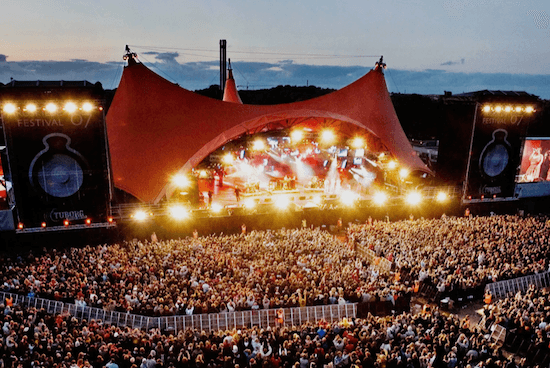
pixel 58 164
pixel 495 153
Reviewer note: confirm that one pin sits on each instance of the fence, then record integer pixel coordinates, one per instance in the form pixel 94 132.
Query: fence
pixel 213 321
pixel 384 265
pixel 501 289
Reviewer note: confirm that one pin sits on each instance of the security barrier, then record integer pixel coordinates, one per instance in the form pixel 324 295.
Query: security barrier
pixel 214 321
pixel 501 289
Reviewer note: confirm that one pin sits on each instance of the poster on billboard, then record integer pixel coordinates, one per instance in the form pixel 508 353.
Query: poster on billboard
pixel 495 150
pixel 58 160
pixel 535 161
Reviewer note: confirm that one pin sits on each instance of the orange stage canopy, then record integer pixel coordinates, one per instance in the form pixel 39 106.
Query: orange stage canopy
pixel 157 129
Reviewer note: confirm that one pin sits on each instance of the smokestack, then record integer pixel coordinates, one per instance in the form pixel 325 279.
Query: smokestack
pixel 223 65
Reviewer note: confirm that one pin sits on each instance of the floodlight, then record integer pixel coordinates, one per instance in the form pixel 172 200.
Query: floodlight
pixel 70 107
pixel 348 198
pixel 358 142
pixel 282 202
pixel 327 136
pixel 30 107
pixel 441 197
pixel 181 181
pixel 9 108
pixel 178 212
pixel 140 215
pixel 51 107
pixel 228 158
pixel 414 198
pixel 258 145
pixel 380 198
pixel 296 135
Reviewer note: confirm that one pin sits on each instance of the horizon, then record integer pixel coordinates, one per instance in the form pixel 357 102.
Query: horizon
pixel 265 75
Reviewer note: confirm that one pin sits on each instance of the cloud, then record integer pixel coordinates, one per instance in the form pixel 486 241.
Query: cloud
pixel 167 57
pixel 540 18
pixel 3 58
pixel 461 62
pixel 259 75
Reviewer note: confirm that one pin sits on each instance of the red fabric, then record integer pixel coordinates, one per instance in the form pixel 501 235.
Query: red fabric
pixel 230 93
pixel 157 128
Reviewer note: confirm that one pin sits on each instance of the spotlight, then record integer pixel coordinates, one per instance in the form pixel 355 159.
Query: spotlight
pixel 228 158
pixel 70 107
pixel 51 107
pixel 282 202
pixel 140 215
pixel 296 135
pixel 30 107
pixel 327 136
pixel 348 198
pixel 258 145
pixel 43 224
pixel 20 225
pixel 358 142
pixel 86 106
pixel 178 212
pixel 529 109
pixel 249 203
pixel 181 181
pixel 403 173
pixel 110 220
pixel 9 108
pixel 380 198
pixel 88 221
pixel 317 199
pixel 392 165
pixel 498 108
pixel 216 207
pixel 518 109
pixel 508 108
pixel 414 198
pixel 486 108
pixel 66 222
pixel 441 197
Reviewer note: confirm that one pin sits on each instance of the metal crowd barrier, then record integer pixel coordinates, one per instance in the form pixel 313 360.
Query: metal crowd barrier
pixel 384 265
pixel 214 321
pixel 504 288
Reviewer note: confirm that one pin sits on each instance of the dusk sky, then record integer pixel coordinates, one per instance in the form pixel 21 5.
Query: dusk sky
pixel 429 46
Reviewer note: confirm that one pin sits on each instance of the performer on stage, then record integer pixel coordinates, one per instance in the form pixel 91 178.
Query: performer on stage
pixel 535 162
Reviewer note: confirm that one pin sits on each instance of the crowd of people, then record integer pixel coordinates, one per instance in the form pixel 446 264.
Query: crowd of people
pixel 283 268
pixel 32 338
pixel 273 269
pixel 460 255
pixel 526 316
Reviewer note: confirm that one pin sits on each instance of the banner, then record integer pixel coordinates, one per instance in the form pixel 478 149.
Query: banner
pixel 495 150
pixel 58 163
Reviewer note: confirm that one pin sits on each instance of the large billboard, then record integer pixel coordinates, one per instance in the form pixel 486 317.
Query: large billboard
pixel 495 150
pixel 535 161
pixel 57 155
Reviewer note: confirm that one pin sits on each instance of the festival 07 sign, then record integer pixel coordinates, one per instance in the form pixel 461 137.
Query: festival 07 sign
pixel 499 130
pixel 57 155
